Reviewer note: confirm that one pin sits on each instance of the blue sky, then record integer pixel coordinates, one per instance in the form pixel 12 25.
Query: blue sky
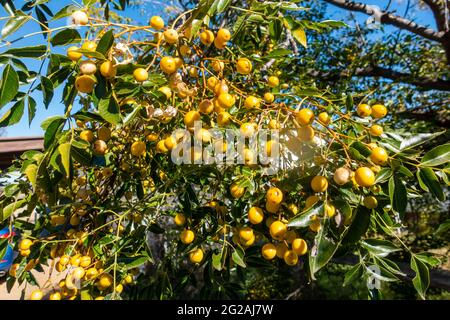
pixel 141 14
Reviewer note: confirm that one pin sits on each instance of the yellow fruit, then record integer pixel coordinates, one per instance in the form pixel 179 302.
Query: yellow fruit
pixel 220 87
pixel 342 176
pixel 105 281
pixel 74 220
pixel 185 50
pixel 140 75
pixel 196 256
pixel 36 295
pixel 249 242
pixel 305 116
pixel 330 210
pixel 245 233
pixel 212 82
pixel 206 106
pixel 223 35
pixel 108 69
pixel 171 36
pixel 292 207
pixel 85 83
pixel 273 81
pixel 299 246
pixel 379 156
pixel 272 207
pixel 207 37
pixel 319 184
pixel 305 133
pixel 170 142
pixel 138 148
pixel 168 65
pixel 315 224
pixel 324 118
pixel 80 18
pixel 311 200
pixel 268 251
pixel 91 273
pixel 89 46
pixel 251 102
pixel 179 219
pixel 85 261
pixel 269 97
pixel 281 249
pixel 128 279
pixel 57 220
pixel 255 215
pixel 290 257
pixel 55 296
pixel 167 91
pixel 244 66
pixel 270 146
pixel 119 288
pixel 274 195
pixel 364 177
pixel 187 236
pixel 364 110
pixel 161 147
pixel 219 44
pixel 193 72
pixel 78 273
pixel 223 118
pixel 88 67
pixel 157 23
pixel 376 130
pixel 236 191
pixel 75 260
pixel 100 147
pixel 247 129
pixel 218 65
pixel 274 124
pixel 190 118
pixel 226 100
pixel 378 111
pixel 72 54
pixel 277 230
pixel 103 133
pixel 370 202
pixel 25 244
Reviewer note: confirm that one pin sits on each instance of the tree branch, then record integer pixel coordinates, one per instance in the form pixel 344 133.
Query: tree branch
pixel 438 13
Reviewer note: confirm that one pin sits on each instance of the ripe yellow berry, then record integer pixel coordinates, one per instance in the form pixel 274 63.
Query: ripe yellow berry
pixel 223 35
pixel 247 129
pixel 207 37
pixel 212 82
pixel 245 233
pixel 299 246
pixel 140 74
pixel 364 177
pixel 89 46
pixel 191 117
pixel 104 133
pixel 342 176
pixel 80 18
pixel 105 281
pixel 100 147
pixel 273 81
pixel 168 65
pixel 319 184
pixel 305 116
pixel 244 66
pixel 324 118
pixel 223 118
pixel 376 130
pixel 330 210
pixel 274 124
pixel 378 111
pixel 170 142
pixel 290 258
pixel 237 191
pixel 311 200
pixel 85 261
pixel 157 23
pixel 171 36
pixel 196 256
pixel 108 69
pixel 255 215
pixel 281 249
pixel 206 106
pixel 251 102
pixel 219 44
pixel 187 236
pixel 55 296
pixel 36 295
pixel 268 251
pixel 277 230
pixel 25 244
pixel 305 133
pixel 218 65
pixel 370 202
pixel 72 54
pixel 138 148
pixel 91 273
pixel 364 110
pixel 272 207
pixel 185 50
pixel 226 100
pixel 379 156
pixel 269 97
pixel 315 224
pixel 179 219
pixel 274 195
pixel 85 83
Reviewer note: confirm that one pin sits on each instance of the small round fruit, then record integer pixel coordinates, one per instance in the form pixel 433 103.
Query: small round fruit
pixel 179 219
pixel 218 65
pixel 64 260
pixel 170 142
pixel 277 230
pixel 330 210
pixel 85 83
pixel 55 296
pixel 91 273
pixel 191 117
pixel 108 69
pixel 80 18
pixel 364 110
pixel 237 191
pixel 269 97
pixel 274 124
pixel 168 65
pixel 104 133
pixel 140 74
pixel 25 253
pixel 273 81
pixel 78 273
pixel 226 100
pixel 299 246
pixel 185 50
pixel 100 147
pixel 324 118
pixel 305 133
pixel 105 281
pixel 319 184
pixel 223 118
pixel 87 67
pixel 85 261
pixel 247 129
pixel 212 82
pixel 167 91
pixel 25 244
pixel 364 177
pixel 268 251
pixel 72 54
pixel 379 156
pixel 274 195
pixel 161 147
pixel 157 23
pixel 244 66
pixel 370 202
pixel 119 288
pixel 255 215
pixel 207 37
pixel 187 236
pixel 252 102
pixel 171 36
pixel 89 46
pixel 290 258
pixel 245 233
pixel 376 130
pixel 206 106
pixel 281 249
pixel 36 295
pixel 220 87
pixel 223 35
pixel 272 207
pixel 305 116
pixel 196 256
pixel 315 224
pixel 342 176
pixel 311 200
pixel 219 44
pixel 138 148
pixel 378 111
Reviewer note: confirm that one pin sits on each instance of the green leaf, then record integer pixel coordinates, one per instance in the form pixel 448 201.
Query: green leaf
pixel 416 139
pixel 425 257
pixel 109 110
pixel 354 274
pixel 334 23
pixel 378 247
pixel 91 54
pixel 31 109
pixel 322 252
pixel 47 90
pixel 397 195
pixel 13 115
pixel 65 37
pixel 64 12
pixel 437 156
pixel 275 29
pixel 278 53
pixel 11 208
pixel 428 177
pixel 15 23
pixel 105 43
pixel 222 5
pixel 64 151
pixel 421 281
pixel 383 175
pixel 362 149
pixel 300 35
pixel 9 85
pixel 53 129
pixel 31 173
pixel 26 52
pixel 238 257
pixel 359 225
pixel 303 219
pixel 443 227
